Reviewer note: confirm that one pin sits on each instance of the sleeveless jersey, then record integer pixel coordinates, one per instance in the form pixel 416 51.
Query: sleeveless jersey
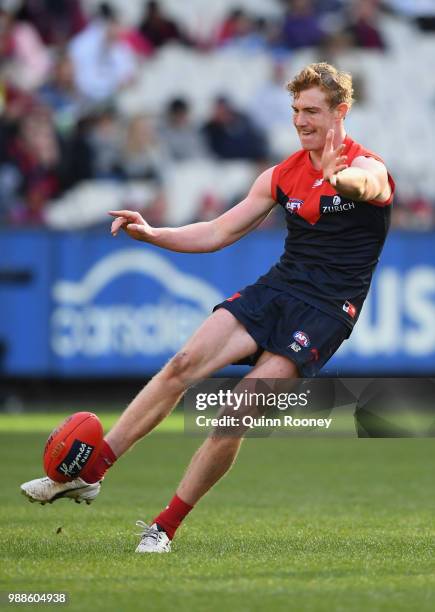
pixel 333 243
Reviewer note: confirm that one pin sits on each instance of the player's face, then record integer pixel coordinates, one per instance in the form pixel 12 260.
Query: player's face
pixel 312 118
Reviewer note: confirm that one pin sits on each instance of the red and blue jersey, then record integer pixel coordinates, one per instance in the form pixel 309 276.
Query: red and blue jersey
pixel 333 243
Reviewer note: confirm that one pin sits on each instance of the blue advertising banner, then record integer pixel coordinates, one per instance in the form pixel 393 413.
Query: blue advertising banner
pixel 92 305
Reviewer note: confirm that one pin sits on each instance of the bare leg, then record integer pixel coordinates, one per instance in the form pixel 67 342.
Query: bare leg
pixel 220 340
pixel 217 454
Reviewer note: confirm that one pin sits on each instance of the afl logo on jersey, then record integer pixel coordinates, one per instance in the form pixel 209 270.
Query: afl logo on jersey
pixel 293 205
pixel 302 338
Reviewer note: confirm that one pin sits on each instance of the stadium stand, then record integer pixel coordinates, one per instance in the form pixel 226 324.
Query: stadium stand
pixel 49 173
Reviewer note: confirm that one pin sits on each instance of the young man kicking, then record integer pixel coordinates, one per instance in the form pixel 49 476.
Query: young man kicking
pixel 337 198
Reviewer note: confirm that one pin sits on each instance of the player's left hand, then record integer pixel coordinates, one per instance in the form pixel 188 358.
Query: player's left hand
pixel 132 223
pixel 332 159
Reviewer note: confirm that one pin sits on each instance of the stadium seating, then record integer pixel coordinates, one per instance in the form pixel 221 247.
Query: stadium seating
pixel 189 184
pixel 393 116
pixel 393 119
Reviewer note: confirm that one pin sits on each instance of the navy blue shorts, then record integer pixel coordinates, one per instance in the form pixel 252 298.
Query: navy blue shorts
pixel 285 325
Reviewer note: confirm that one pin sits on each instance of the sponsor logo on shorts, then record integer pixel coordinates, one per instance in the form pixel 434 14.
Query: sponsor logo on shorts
pixel 302 338
pixel 350 309
pixel 295 347
pixel 293 205
pixel 76 459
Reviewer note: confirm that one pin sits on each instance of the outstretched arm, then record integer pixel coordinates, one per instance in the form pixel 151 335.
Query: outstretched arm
pixel 207 236
pixel 365 180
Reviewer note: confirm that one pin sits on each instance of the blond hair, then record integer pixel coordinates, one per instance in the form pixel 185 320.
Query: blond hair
pixel 336 85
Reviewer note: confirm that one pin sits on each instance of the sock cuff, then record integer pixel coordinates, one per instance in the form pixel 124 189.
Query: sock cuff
pixel 180 504
pixel 104 460
pixel 172 516
pixel 107 453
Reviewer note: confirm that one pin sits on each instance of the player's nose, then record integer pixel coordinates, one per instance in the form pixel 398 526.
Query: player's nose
pixel 300 120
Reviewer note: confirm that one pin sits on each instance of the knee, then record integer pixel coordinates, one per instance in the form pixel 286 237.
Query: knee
pixel 180 370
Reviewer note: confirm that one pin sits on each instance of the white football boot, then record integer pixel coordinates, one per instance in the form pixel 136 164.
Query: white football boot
pixel 152 540
pixel 46 491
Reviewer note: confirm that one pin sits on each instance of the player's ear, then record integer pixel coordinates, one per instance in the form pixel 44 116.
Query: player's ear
pixel 341 111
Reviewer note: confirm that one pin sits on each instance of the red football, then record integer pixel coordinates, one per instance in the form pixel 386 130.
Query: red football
pixel 73 445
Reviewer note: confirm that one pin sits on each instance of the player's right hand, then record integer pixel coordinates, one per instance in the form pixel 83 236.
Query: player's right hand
pixel 333 160
pixel 132 223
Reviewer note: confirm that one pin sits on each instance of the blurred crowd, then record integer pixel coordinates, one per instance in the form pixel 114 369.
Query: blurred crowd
pixel 62 68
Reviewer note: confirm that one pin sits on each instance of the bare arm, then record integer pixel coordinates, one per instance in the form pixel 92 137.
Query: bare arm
pixel 207 236
pixel 365 180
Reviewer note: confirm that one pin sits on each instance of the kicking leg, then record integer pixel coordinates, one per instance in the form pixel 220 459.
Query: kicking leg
pixel 220 340
pixel 214 458
pixel 209 464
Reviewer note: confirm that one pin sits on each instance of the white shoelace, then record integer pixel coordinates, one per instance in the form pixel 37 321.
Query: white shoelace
pixel 148 531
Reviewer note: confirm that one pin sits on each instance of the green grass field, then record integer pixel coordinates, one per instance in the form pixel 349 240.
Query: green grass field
pixel 299 524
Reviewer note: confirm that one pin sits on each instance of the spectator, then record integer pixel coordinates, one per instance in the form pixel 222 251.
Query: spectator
pixel 422 11
pixel 413 211
pixel 231 134
pixel 241 31
pixel 236 25
pixel 158 29
pixel 364 18
pixel 35 156
pixel 142 156
pixel 79 154
pixel 143 160
pixel 103 63
pixel 61 94
pixel 426 23
pixel 271 103
pixel 56 20
pixel 137 43
pixel 16 103
pixel 104 139
pixel 336 44
pixel 301 27
pixel 329 6
pixel 93 149
pixel 25 60
pixel 180 137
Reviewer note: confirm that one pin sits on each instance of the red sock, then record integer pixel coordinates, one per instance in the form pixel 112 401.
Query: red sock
pixel 171 517
pixel 106 458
